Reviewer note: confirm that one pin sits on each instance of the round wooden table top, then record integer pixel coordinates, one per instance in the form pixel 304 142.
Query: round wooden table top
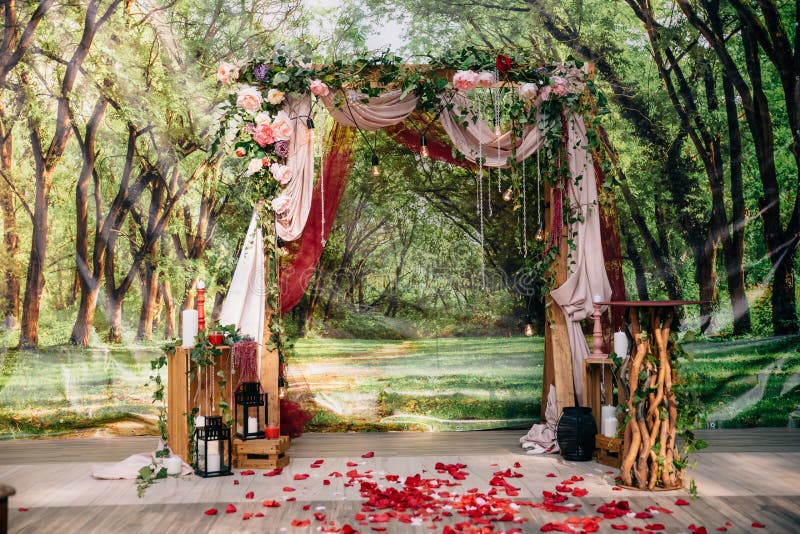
pixel 6 491
pixel 650 303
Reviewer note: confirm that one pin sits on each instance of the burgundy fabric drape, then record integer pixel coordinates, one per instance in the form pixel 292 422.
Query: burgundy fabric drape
pixel 296 272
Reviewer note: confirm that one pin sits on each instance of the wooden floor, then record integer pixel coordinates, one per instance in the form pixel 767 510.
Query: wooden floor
pixel 745 476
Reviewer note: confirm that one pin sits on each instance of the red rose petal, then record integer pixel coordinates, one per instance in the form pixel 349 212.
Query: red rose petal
pixel 722 529
pixel 756 524
pixel 351 464
pixel 235 482
pixel 579 492
pixel 301 523
pixel 247 516
pixel 21 509
pixel 249 495
pixel 617 526
pixel 326 482
pixel 291 499
pixel 247 472
pixel 369 454
pixel 655 526
pixel 517 465
pixel 301 476
pixel 550 475
pixel 616 488
pixel 274 472
pixel 259 514
pixel 681 502
pixel 643 515
pixel 319 516
pixel 230 509
pixel 211 511
pixel 288 488
pixel 269 503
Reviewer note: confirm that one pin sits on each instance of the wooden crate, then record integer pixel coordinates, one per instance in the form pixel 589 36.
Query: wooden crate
pixel 609 450
pixel 261 453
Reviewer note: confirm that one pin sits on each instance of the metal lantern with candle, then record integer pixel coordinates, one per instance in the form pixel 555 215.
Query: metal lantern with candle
pixel 212 448
pixel 250 403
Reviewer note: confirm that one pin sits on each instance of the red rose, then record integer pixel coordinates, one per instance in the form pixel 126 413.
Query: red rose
pixel 503 63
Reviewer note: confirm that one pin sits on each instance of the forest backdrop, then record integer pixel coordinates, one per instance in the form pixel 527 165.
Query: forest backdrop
pixel 112 206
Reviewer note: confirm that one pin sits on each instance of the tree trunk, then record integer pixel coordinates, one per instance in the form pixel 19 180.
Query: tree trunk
pixel 149 293
pixel 733 244
pixel 114 319
pixel 169 309
pixel 638 268
pixel 784 310
pixel 34 285
pixel 84 322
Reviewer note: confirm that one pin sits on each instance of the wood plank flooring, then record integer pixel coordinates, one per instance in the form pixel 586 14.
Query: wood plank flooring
pixel 746 476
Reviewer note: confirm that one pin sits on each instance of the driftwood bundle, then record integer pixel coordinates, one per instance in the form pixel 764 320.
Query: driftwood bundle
pixel 649 450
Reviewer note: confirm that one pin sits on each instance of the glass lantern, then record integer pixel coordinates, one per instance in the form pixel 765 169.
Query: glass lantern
pixel 212 449
pixel 250 402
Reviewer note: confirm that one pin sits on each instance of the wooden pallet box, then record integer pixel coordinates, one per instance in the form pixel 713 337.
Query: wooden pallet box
pixel 609 450
pixel 261 453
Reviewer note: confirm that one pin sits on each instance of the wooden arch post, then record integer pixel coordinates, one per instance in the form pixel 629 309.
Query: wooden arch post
pixel 557 354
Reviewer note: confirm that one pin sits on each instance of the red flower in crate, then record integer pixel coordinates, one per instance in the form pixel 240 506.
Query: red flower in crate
pixel 503 63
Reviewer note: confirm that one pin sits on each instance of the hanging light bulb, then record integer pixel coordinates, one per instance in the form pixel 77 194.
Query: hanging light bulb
pixel 528 330
pixel 376 165
pixel 508 194
pixel 310 123
pixel 423 147
pixel 539 234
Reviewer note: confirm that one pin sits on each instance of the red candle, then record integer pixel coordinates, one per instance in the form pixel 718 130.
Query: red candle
pixel 201 305
pixel 215 338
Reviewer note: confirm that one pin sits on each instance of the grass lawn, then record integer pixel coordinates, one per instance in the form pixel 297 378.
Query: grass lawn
pixel 444 384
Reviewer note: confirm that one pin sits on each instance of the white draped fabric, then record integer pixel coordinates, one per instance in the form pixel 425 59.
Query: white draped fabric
pixel 587 275
pixel 245 303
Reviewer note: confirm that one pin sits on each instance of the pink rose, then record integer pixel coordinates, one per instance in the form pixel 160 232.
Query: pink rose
pixel 254 166
pixel 282 173
pixel 464 80
pixel 240 152
pixel 249 99
pixel 319 88
pixel 485 79
pixel 282 127
pixel 559 85
pixel 527 91
pixel 264 135
pixel 227 72
pixel 281 203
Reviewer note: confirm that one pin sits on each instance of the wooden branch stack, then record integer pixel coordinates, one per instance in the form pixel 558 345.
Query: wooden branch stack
pixel 649 450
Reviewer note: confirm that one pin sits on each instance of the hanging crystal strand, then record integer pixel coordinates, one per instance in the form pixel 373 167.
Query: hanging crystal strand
pixel 489 190
pixel 538 191
pixel 497 130
pixel 319 150
pixel 480 203
pixel 524 213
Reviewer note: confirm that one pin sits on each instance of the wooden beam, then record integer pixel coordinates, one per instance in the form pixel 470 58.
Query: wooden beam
pixel 270 365
pixel 178 402
pixel 557 354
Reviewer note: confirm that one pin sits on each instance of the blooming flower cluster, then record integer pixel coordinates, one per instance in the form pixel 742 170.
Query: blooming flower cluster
pixel 566 79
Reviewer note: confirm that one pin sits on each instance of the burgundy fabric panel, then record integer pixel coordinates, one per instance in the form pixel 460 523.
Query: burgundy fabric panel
pixel 296 272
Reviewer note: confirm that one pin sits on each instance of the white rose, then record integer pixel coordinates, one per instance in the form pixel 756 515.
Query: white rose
pixel 282 173
pixel 527 91
pixel 275 96
pixel 255 165
pixel 281 203
pixel 227 72
pixel 262 118
pixel 485 79
pixel 249 99
pixel 282 127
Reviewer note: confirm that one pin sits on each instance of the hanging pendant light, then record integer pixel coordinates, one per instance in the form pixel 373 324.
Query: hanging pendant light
pixel 508 194
pixel 376 166
pixel 539 234
pixel 310 123
pixel 423 147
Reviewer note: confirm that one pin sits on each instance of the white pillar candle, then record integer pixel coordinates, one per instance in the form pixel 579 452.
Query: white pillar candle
pixel 606 412
pixel 213 462
pixel 610 426
pixel 174 465
pixel 213 447
pixel 188 327
pixel 252 424
pixel 199 421
pixel 621 344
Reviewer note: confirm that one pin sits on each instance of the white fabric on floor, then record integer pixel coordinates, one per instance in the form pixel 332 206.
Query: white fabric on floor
pixel 587 272
pixel 541 438
pixel 245 303
pixel 129 468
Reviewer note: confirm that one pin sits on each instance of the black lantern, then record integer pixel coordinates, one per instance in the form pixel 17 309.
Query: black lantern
pixel 212 449
pixel 250 402
pixel 575 433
